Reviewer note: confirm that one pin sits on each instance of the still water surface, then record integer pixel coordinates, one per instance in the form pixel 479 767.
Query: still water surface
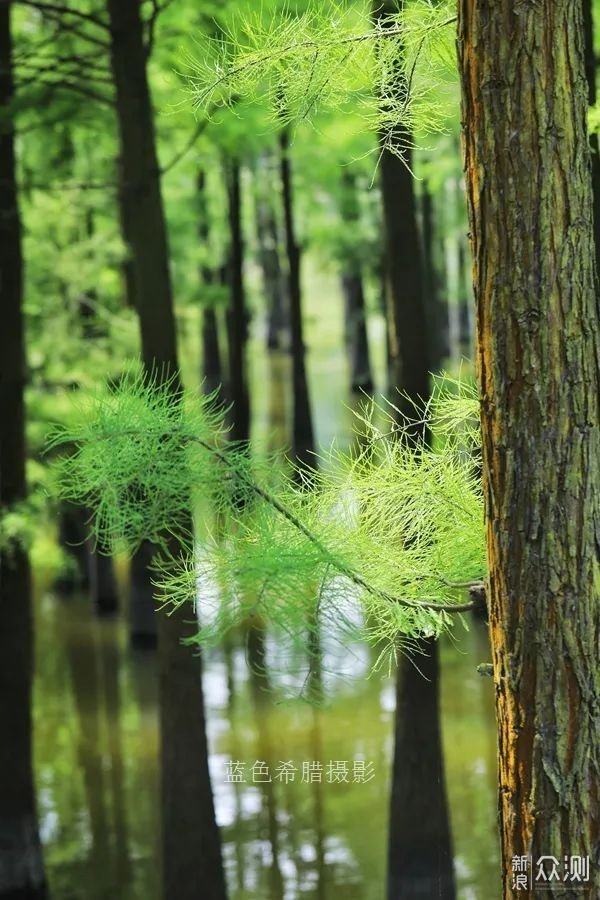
pixel 96 756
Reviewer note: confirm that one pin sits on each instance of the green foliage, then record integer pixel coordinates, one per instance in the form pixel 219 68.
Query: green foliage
pixel 399 70
pixel 375 549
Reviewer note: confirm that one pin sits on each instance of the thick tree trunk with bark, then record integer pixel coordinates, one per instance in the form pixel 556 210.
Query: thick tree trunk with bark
pixel 527 165
pixel 237 316
pixel 303 441
pixel 21 865
pixel 191 848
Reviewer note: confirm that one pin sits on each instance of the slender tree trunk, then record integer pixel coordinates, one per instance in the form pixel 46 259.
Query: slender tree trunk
pixel 237 316
pixel 529 191
pixel 21 864
pixel 127 265
pixel 361 377
pixel 212 372
pixel 303 441
pixel 420 848
pixel 435 302
pixel 407 319
pixel 191 848
pixel 267 233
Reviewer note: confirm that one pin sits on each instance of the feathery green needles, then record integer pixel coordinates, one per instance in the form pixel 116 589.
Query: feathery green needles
pixel 373 551
pixel 335 57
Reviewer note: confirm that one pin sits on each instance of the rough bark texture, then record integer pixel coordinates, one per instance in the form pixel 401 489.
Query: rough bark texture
pixel 237 317
pixel 420 845
pixel 21 864
pixel 303 440
pixel 191 847
pixel 527 167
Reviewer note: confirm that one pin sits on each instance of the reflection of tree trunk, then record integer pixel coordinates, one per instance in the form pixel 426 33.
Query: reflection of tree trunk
pixel 102 578
pixel 21 863
pixel 72 532
pixel 420 847
pixel 259 684
pixel 302 426
pixel 110 672
pixel 190 837
pixel 82 656
pixel 317 790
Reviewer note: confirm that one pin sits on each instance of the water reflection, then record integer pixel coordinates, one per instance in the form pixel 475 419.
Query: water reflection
pixel 96 752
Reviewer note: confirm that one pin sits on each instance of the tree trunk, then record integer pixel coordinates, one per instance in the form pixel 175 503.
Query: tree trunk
pixel 527 165
pixel 435 301
pixel 212 371
pixel 419 849
pixel 21 864
pixel 407 320
pixel 420 844
pixel 237 318
pixel 127 264
pixel 361 377
pixel 267 234
pixel 303 441
pixel 191 847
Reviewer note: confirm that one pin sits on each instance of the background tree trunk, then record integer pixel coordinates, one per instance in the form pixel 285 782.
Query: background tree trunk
pixel 21 864
pixel 212 370
pixel 237 316
pixel 527 165
pixel 303 441
pixel 419 850
pixel 191 846
pixel 361 377
pixel 434 289
pixel 267 234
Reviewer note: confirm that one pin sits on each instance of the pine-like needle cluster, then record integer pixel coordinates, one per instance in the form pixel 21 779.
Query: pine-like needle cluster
pixel 376 549
pixel 396 70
